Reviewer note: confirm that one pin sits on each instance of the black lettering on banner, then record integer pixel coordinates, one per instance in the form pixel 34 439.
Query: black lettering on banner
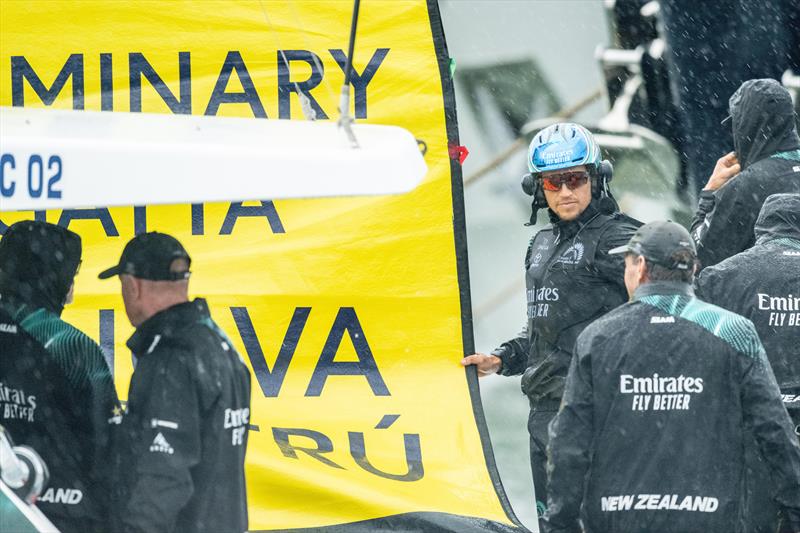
pixel 286 86
pixel 39 216
pixel 413 453
pixel 360 81
pixel 198 219
pixel 138 66
pixel 106 317
pixel 270 381
pixel 234 62
pixel 139 219
pixel 106 83
pixel 22 70
pixel 237 210
pixel 346 320
pixel 99 213
pixel 323 444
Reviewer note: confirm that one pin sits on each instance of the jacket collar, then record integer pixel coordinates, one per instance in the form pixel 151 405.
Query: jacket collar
pixel 566 229
pixel 166 323
pixel 663 287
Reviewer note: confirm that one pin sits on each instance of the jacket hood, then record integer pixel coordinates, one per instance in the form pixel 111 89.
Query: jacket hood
pixel 763 121
pixel 38 263
pixel 779 217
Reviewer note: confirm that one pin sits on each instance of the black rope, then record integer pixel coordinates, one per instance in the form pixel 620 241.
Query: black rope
pixel 352 45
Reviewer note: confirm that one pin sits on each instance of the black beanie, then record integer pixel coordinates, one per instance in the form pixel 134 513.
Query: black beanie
pixel 38 263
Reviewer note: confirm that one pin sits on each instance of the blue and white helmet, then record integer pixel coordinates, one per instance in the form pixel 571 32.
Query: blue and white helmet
pixel 562 145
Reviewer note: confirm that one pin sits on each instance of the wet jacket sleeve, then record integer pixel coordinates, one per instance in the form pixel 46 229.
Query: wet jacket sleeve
pixel 723 223
pixel 612 267
pixel 514 353
pixel 165 448
pixel 765 415
pixel 707 287
pixel 569 449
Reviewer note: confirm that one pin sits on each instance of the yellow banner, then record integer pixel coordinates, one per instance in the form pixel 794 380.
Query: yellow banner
pixel 348 311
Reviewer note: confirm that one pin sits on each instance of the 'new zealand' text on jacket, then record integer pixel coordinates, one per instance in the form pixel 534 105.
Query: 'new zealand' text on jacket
pixel 660 395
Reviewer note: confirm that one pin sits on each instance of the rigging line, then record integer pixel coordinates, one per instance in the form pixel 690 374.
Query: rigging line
pixel 345 120
pixel 352 45
pixel 305 103
pixel 315 58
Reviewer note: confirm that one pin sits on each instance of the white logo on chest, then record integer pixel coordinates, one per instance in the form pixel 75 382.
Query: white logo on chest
pixel 572 255
pixel 161 445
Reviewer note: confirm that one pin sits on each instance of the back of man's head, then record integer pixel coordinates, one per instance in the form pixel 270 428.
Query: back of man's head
pixel 763 121
pixel 154 271
pixel 658 251
pixel 38 263
pixel 779 217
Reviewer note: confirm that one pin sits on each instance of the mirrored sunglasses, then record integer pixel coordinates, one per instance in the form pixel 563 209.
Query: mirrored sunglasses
pixel 573 180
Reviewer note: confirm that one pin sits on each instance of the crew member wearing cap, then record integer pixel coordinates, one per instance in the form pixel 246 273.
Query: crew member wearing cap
pixel 765 161
pixel 661 396
pixel 64 406
pixel 180 459
pixel 763 284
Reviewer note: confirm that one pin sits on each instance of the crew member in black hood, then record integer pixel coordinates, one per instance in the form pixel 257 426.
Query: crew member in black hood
pixel 570 278
pixel 763 284
pixel 765 161
pixel 38 264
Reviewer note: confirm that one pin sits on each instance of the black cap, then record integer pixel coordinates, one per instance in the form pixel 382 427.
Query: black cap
pixel 659 242
pixel 149 256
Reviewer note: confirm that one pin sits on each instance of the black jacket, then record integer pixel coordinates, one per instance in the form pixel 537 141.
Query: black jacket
pixel 75 410
pixel 38 263
pixel 763 284
pixel 661 396
pixel 180 461
pixel 570 281
pixel 39 408
pixel 768 148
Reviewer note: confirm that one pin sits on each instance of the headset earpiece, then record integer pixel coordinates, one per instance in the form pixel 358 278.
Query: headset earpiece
pixel 528 184
pixel 605 170
pixel 532 187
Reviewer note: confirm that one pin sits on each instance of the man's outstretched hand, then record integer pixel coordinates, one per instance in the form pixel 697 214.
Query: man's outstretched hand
pixel 486 364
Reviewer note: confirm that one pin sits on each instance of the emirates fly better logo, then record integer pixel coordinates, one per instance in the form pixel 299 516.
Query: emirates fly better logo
pixel 660 393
